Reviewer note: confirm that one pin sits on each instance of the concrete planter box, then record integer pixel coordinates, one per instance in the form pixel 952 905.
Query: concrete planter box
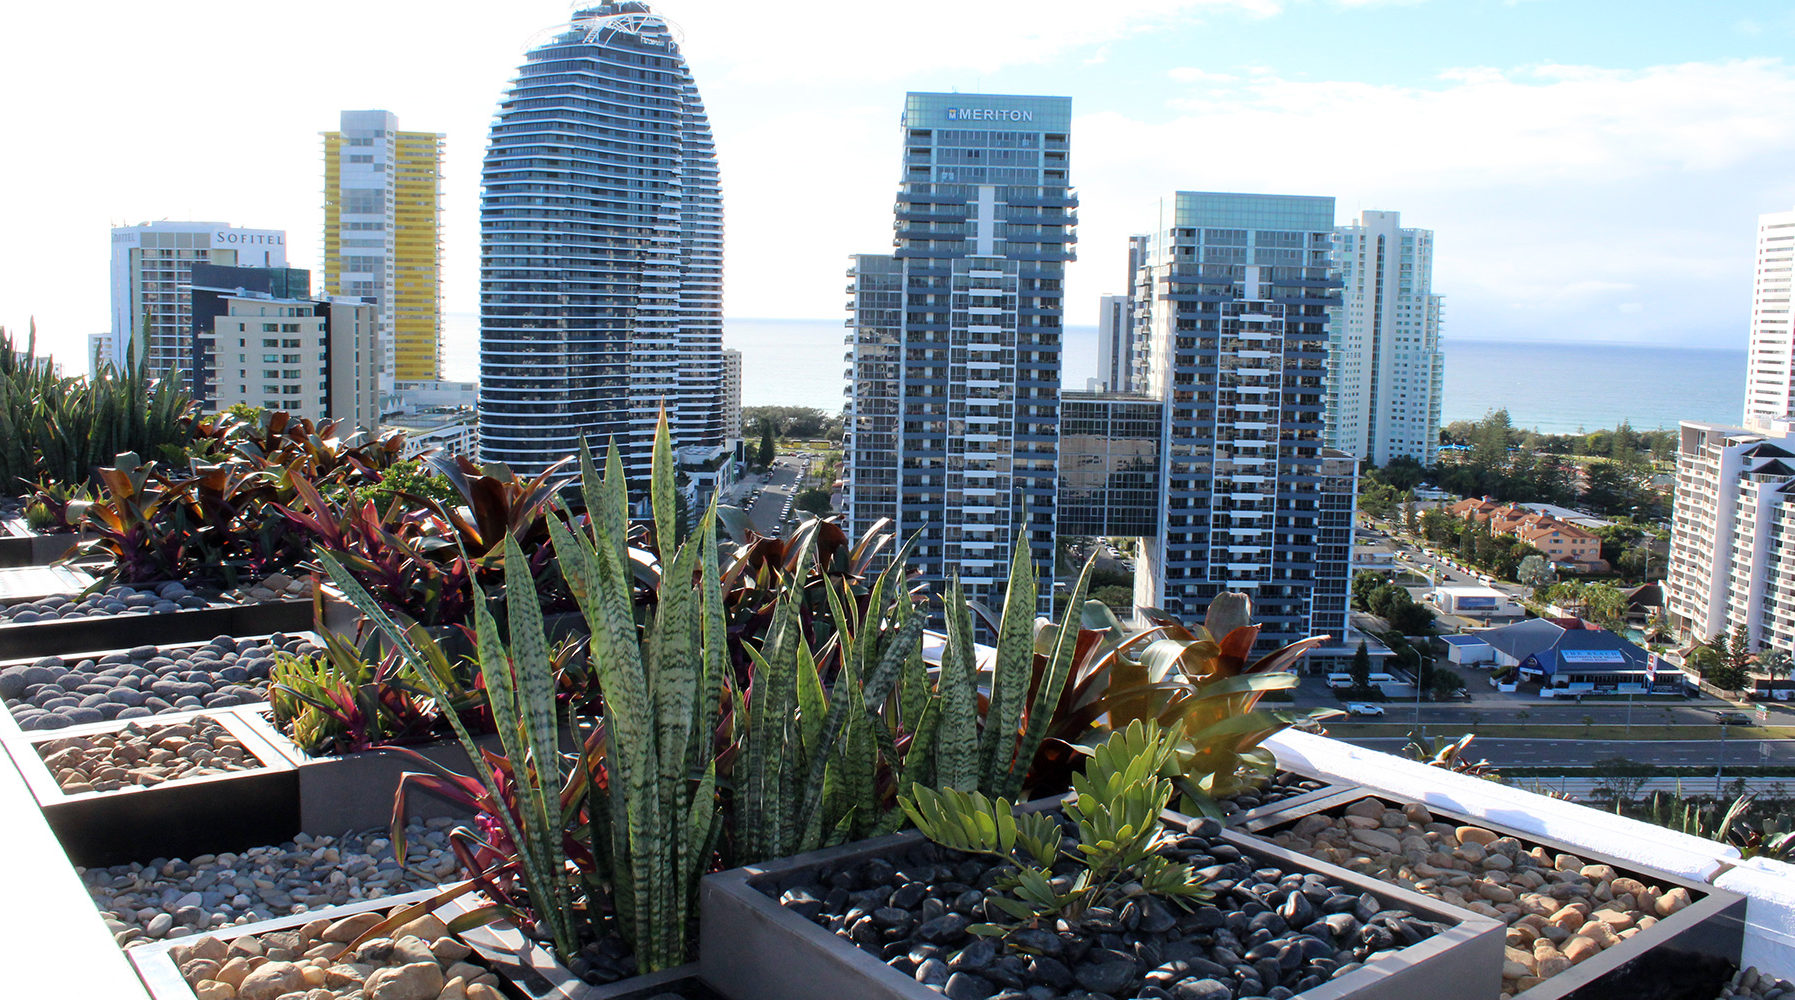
pixel 681 979
pixel 528 970
pixel 36 550
pixel 1328 790
pixel 1696 948
pixel 111 632
pixel 355 791
pixel 752 948
pixel 182 817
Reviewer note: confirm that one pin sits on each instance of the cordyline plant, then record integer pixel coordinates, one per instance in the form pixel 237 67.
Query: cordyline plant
pixel 1116 806
pixel 1203 683
pixel 354 696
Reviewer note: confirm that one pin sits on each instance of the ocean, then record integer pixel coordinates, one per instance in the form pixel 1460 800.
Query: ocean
pixel 1555 388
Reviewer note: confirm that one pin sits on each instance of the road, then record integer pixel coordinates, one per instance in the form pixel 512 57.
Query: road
pixel 1680 753
pixel 777 487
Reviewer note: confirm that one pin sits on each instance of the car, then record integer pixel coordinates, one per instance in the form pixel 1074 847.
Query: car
pixel 1732 719
pixel 1363 708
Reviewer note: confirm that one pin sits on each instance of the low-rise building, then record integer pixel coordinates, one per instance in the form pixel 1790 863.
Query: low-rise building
pixel 259 339
pixel 1569 656
pixel 1471 599
pixel 1565 544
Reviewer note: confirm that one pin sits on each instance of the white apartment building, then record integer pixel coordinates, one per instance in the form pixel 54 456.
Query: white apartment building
pixel 152 266
pixel 1115 345
pixel 99 351
pixel 1385 366
pixel 1770 362
pixel 732 395
pixel 1732 547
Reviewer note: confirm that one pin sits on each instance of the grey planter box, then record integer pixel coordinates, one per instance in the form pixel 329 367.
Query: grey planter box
pixel 36 550
pixel 683 979
pixel 183 817
pixel 526 968
pixel 30 640
pixel 1328 790
pixel 752 948
pixel 1692 952
pixel 355 791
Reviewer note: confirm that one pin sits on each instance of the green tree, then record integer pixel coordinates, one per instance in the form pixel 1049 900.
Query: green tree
pixel 1535 571
pixel 1376 499
pixel 1365 583
pixel 814 501
pixel 1605 605
pixel 1490 440
pixel 1403 473
pixel 1117 598
pixel 1774 662
pixel 768 450
pixel 1411 514
pixel 1443 684
pixel 1361 666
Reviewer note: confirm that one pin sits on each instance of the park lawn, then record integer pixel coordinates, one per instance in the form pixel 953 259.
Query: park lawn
pixel 1567 731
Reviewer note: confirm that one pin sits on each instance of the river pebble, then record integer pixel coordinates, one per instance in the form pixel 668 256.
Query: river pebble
pixel 55 692
pixel 229 889
pixel 1560 910
pixel 139 755
pixel 144 599
pixel 1267 932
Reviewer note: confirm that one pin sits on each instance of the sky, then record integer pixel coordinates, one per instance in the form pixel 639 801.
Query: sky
pixel 1593 169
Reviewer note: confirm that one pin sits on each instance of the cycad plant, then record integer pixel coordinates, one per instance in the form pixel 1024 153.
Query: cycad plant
pixel 1116 806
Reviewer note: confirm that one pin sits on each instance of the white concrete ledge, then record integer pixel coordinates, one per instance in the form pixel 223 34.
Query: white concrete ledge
pixel 1631 840
pixel 1769 888
pixel 52 940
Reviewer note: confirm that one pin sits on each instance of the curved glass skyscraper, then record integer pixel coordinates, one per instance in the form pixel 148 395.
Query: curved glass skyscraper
pixel 601 251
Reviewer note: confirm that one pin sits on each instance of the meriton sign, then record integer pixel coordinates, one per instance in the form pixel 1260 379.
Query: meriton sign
pixel 989 115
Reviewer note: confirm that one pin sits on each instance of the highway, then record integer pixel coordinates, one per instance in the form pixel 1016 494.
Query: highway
pixel 1538 753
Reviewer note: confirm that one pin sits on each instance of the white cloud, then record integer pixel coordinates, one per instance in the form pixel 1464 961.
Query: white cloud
pixel 1557 192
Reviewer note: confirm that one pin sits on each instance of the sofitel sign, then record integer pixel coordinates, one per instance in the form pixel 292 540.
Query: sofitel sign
pixel 989 115
pixel 248 239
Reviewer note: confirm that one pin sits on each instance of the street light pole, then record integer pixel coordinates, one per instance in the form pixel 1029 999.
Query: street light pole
pixel 1422 729
pixel 1720 765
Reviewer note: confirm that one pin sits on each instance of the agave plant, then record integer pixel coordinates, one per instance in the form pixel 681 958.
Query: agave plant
pixel 61 430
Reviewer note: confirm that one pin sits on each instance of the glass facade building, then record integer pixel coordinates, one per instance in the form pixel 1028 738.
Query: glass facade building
pixel 954 343
pixel 1232 304
pixel 601 251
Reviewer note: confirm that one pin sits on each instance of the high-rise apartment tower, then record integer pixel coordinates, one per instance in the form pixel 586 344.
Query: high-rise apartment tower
pixel 955 339
pixel 1770 362
pixel 382 235
pixel 1233 297
pixel 152 282
pixel 1385 367
pixel 601 251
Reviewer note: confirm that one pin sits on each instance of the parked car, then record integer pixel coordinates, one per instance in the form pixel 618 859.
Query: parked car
pixel 1364 708
pixel 1732 718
